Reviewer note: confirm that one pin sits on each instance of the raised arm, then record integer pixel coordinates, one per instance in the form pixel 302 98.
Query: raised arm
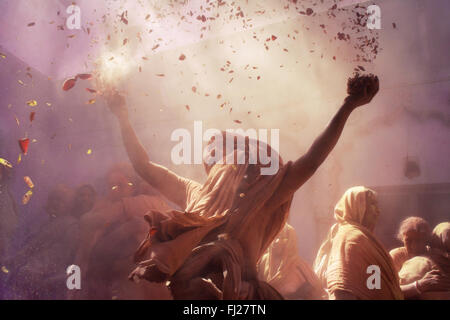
pixel 361 90
pixel 168 183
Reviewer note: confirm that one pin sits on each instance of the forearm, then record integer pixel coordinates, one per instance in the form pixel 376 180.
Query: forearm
pixel 304 167
pixel 168 183
pixel 410 291
pixel 136 152
pixel 328 139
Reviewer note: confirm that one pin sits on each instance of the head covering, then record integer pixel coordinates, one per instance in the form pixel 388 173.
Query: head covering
pixel 352 207
pixel 235 209
pixel 351 248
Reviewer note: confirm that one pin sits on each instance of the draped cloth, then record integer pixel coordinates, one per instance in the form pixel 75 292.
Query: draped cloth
pixel 350 248
pixel 437 258
pixel 399 256
pixel 210 250
pixel 283 268
pixel 112 255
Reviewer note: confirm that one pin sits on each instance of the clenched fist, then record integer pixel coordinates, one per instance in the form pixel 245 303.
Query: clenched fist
pixel 361 89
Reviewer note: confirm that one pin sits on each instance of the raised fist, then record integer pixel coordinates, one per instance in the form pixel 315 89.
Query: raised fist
pixel 361 89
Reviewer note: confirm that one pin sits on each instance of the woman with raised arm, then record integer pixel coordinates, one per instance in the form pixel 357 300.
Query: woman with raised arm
pixel 210 249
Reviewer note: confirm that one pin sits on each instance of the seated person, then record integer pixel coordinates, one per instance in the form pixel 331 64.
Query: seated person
pixel 415 233
pixel 282 267
pixel 428 276
pixel 351 247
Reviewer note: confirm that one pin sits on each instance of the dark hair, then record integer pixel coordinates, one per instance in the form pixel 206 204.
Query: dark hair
pixel 86 186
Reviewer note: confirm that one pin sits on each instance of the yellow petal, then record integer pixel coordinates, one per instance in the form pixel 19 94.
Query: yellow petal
pixel 28 181
pixel 27 196
pixel 89 151
pixel 6 163
pixel 32 103
pixel 4 269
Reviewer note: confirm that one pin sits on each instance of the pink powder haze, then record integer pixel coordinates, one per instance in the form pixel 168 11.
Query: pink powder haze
pixel 268 64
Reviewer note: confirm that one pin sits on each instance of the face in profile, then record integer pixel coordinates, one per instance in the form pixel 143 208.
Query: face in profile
pixel 372 212
pixel 119 186
pixel 415 242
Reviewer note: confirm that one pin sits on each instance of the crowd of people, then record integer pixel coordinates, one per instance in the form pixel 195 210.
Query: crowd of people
pixel 157 235
pixel 97 232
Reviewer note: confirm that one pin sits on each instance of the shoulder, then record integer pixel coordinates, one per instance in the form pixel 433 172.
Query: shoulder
pixel 401 251
pixel 414 269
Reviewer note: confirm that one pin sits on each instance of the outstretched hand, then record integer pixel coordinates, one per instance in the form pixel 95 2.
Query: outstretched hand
pixel 361 89
pixel 116 103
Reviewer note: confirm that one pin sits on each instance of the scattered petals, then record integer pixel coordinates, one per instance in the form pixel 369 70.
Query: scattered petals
pixel 32 115
pixel 182 57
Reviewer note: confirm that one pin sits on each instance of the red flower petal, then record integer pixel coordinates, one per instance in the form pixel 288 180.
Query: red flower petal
pixel 23 143
pixel 84 76
pixel 69 84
